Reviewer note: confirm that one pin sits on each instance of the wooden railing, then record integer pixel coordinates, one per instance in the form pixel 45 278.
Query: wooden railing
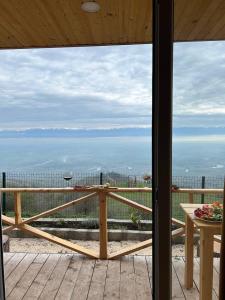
pixel 103 192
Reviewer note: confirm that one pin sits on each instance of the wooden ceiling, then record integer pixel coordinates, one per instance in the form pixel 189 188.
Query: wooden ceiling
pixel 56 23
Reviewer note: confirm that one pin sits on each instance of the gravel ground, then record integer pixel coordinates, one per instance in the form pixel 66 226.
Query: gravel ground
pixel 33 245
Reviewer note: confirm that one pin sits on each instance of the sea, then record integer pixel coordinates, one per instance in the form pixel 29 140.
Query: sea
pixel 192 156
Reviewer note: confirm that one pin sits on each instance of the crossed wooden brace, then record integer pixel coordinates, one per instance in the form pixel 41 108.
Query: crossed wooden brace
pixel 21 224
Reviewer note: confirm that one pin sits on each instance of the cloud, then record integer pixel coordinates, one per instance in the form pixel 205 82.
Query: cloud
pixel 108 86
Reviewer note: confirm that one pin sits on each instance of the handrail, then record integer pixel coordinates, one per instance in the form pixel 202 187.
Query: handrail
pixel 103 192
pixel 106 189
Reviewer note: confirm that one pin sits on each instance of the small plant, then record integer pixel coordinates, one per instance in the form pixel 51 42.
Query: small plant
pixel 135 218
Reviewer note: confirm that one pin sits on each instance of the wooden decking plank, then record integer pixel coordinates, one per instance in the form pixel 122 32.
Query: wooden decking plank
pixel 196 279
pixel 149 266
pixel 127 283
pixel 7 257
pixel 215 279
pixel 142 284
pixel 12 264
pixel 193 293
pixel 98 280
pixel 112 284
pixel 51 288
pixel 26 280
pixel 18 272
pixel 216 263
pixel 66 289
pixel 39 282
pixel 83 282
pixel 177 292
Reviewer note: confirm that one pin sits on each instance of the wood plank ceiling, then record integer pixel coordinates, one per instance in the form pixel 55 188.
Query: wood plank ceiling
pixel 55 23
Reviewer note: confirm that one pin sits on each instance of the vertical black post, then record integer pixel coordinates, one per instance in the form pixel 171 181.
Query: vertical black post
pixel 162 146
pixel 203 186
pixel 4 194
pixel 2 280
pixel 101 178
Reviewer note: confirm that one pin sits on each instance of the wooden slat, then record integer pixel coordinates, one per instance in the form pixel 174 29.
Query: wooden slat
pixel 177 292
pixel 130 249
pixel 103 232
pixel 17 208
pixel 178 222
pixel 83 282
pixel 8 229
pixel 26 280
pixel 142 285
pixel 217 238
pixel 58 208
pixel 149 266
pixel 127 282
pixel 58 241
pixel 129 202
pixel 97 286
pixel 39 282
pixel 66 288
pixel 7 256
pixel 8 220
pixel 178 232
pixel 12 264
pixel 112 284
pixel 178 265
pixel 54 281
pixel 18 272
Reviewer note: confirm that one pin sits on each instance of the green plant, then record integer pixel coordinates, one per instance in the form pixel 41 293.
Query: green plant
pixel 135 217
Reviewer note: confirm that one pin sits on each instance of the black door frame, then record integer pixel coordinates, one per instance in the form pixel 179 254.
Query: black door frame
pixel 162 84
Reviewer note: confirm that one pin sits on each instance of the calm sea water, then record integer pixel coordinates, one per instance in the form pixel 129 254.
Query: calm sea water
pixel 191 156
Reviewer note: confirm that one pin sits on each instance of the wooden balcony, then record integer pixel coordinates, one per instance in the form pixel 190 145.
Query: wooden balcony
pixel 71 276
pixel 92 275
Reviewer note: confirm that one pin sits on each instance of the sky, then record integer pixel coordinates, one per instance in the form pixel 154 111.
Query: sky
pixel 108 87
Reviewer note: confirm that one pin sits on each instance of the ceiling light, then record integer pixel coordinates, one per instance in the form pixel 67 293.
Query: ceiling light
pixel 90 6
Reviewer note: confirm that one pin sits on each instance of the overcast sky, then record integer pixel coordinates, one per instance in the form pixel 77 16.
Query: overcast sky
pixel 105 87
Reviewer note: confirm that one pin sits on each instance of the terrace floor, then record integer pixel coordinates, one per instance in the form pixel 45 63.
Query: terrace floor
pixel 70 276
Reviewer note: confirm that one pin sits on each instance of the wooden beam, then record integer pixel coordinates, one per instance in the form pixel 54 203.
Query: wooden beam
pixel 130 202
pixel 131 249
pixel 8 229
pixel 58 208
pixel 217 238
pixel 106 189
pixel 178 222
pixel 177 232
pixel 17 208
pixel 57 240
pixel 8 220
pixel 103 232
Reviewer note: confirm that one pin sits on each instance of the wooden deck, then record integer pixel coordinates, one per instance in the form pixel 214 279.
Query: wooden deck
pixel 66 276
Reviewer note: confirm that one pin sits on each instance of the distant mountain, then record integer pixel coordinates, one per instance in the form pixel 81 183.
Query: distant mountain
pixel 114 132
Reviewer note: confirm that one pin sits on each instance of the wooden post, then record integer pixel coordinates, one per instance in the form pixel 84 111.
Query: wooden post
pixel 206 264
pixel 103 232
pixel 189 252
pixel 17 207
pixel 191 197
